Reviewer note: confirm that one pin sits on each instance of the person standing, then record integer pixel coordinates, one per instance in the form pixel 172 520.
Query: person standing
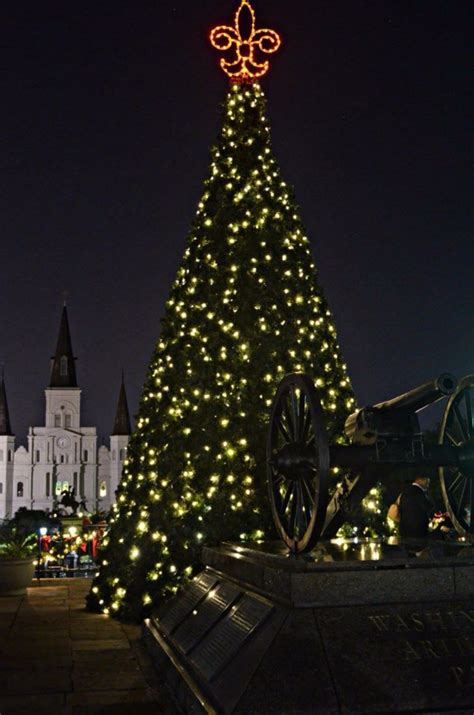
pixel 415 509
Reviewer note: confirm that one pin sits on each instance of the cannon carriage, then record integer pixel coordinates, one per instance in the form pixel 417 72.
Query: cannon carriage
pixel 382 438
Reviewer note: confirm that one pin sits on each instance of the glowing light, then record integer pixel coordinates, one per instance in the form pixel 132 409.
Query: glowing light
pixel 245 68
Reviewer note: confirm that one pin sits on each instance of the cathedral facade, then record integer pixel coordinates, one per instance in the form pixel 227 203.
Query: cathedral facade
pixel 61 456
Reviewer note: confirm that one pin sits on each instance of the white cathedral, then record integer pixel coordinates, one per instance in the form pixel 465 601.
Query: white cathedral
pixel 62 455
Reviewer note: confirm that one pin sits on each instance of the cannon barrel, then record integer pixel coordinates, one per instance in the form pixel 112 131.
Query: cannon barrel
pixel 397 415
pixel 422 396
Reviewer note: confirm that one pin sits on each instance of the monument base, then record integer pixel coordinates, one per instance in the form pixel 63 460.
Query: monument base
pixel 350 628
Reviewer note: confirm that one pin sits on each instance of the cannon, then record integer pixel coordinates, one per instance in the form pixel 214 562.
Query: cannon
pixel 382 437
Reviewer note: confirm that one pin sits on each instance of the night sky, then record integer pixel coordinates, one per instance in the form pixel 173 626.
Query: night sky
pixel 108 113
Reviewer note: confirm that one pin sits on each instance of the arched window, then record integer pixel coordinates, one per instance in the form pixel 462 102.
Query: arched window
pixel 19 489
pixel 38 456
pixel 114 455
pixel 123 454
pixel 86 455
pixel 61 459
pixel 103 490
pixel 57 420
pixel 48 484
pixel 1 487
pixel 63 366
pixel 67 420
pixel 10 455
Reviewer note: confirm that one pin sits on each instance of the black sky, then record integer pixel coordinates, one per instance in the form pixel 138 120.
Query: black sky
pixel 108 112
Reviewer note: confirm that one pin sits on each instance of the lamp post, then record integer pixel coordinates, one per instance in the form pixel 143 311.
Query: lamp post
pixel 42 531
pixel 72 558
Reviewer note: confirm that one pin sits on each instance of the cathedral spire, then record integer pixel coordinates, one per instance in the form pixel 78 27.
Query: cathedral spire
pixel 122 417
pixel 5 426
pixel 63 368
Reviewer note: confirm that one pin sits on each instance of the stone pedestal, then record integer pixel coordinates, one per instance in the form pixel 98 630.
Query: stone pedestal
pixel 351 628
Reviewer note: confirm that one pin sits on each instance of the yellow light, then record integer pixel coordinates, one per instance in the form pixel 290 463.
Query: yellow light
pixel 245 68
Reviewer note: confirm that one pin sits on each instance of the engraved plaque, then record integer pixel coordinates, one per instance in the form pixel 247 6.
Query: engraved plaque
pixel 205 616
pixel 420 654
pixel 186 603
pixel 226 639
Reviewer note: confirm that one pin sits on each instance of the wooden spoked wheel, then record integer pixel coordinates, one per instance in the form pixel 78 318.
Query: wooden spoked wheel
pixel 298 463
pixel 457 483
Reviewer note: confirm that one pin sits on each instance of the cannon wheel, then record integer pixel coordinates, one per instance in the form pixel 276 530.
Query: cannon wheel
pixel 457 484
pixel 298 463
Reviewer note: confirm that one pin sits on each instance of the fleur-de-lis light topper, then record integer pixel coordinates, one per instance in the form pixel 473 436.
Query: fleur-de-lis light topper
pixel 245 68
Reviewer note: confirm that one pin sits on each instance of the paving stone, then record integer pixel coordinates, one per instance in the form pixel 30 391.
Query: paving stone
pixel 31 681
pixel 101 634
pixel 90 623
pixel 25 659
pixel 107 658
pixel 6 620
pixel 112 697
pixel 24 652
pixel 10 604
pixel 89 679
pixel 41 625
pixel 34 636
pixel 60 607
pixel 46 592
pixel 77 612
pixel 132 708
pixel 43 615
pixel 47 604
pixel 87 622
pixel 56 658
pixel 94 644
pixel 86 618
pixel 143 659
pixel 37 704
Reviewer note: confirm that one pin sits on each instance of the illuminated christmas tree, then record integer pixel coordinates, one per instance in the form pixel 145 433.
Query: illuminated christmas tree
pixel 245 309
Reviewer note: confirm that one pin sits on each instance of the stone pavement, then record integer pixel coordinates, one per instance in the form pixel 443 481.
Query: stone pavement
pixel 58 659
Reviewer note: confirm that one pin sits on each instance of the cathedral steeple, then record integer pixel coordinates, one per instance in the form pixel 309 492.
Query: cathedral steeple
pixel 122 417
pixel 5 426
pixel 63 368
